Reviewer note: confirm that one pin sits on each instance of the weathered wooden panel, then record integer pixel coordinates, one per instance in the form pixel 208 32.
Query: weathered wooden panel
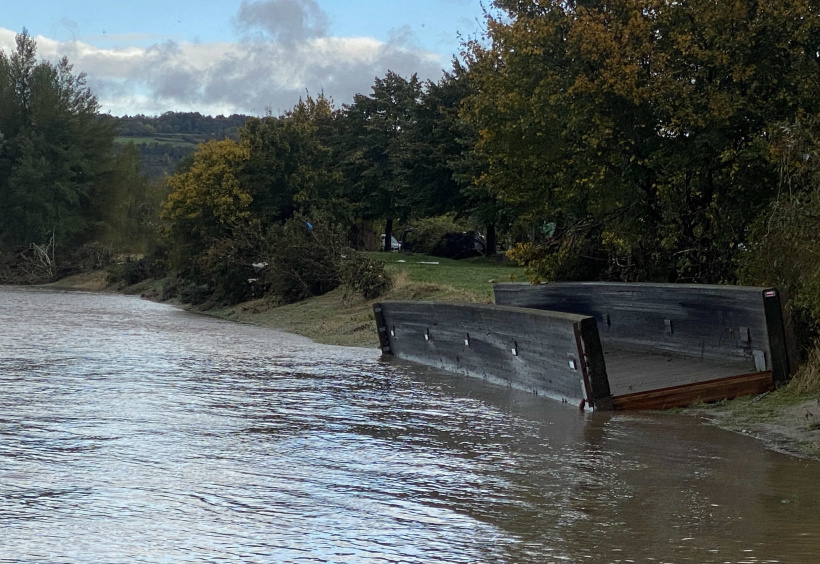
pixel 632 372
pixel 722 323
pixel 682 396
pixel 550 353
pixel 778 341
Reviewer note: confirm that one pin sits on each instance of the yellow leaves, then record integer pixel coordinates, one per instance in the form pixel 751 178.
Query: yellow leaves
pixel 720 106
pixel 612 239
pixel 210 190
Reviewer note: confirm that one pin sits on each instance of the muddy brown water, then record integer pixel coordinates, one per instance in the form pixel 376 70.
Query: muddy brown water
pixel 132 431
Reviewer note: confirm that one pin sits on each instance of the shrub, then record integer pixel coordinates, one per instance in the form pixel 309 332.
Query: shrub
pixel 425 234
pixel 782 248
pixel 185 291
pixel 364 276
pixel 194 294
pixel 303 260
pixel 574 255
pixel 807 379
pixel 129 272
pixel 91 256
pixel 134 270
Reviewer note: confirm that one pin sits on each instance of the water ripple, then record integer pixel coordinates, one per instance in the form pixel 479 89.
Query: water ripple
pixel 132 431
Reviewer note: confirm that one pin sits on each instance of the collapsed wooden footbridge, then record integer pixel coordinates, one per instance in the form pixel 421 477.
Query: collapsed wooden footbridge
pixel 604 345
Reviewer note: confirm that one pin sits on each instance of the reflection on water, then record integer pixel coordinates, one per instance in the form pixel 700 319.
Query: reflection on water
pixel 134 432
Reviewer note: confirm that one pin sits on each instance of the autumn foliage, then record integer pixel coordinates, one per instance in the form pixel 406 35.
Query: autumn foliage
pixel 620 140
pixel 642 128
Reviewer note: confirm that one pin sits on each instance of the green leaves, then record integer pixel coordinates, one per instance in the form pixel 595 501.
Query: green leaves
pixel 375 148
pixel 647 117
pixel 289 167
pixel 55 150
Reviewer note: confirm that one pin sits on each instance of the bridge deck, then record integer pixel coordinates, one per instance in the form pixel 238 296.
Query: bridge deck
pixel 646 380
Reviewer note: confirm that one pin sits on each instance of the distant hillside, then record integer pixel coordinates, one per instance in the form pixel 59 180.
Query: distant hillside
pixel 164 141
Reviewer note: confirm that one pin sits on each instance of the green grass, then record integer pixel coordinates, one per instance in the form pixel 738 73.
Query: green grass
pixel 348 320
pixel 176 142
pixel 473 275
pixel 768 408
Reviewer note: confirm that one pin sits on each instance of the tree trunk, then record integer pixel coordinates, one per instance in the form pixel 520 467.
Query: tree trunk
pixel 388 236
pixel 492 241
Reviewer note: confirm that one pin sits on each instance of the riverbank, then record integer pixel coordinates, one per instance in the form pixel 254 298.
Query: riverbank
pixel 785 420
pixel 337 318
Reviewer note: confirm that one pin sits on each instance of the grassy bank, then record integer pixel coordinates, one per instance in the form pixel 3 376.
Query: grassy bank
pixel 337 319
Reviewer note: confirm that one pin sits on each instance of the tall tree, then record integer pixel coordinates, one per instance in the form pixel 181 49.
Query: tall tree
pixel 206 208
pixel 130 207
pixel 637 127
pixel 375 129
pixel 55 154
pixel 289 167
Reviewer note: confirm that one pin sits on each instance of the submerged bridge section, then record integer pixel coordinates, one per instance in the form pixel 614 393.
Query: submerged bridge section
pixel 550 353
pixel 669 345
pixel 604 345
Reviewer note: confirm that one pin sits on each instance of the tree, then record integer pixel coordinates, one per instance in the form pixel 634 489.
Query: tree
pixel 435 160
pixel 55 150
pixel 783 247
pixel 374 135
pixel 289 168
pixel 208 208
pixel 638 128
pixel 130 207
pixel 236 204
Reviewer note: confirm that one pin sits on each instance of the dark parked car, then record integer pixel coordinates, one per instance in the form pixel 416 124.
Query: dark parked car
pixel 460 245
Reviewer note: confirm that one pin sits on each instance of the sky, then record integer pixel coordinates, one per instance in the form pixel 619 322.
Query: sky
pixel 240 56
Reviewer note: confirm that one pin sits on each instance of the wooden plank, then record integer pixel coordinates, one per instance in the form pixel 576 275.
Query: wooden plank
pixel 778 345
pixel 682 396
pixel 632 372
pixel 549 353
pixel 595 370
pixel 381 327
pixel 704 321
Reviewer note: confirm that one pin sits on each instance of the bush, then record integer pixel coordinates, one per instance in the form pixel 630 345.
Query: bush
pixel 575 255
pixel 303 260
pixel 425 234
pixel 185 291
pixel 129 272
pixel 134 270
pixel 807 379
pixel 289 262
pixel 364 276
pixel 91 256
pixel 783 251
pixel 782 248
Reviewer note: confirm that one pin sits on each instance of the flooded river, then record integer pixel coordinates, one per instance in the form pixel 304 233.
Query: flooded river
pixel 134 432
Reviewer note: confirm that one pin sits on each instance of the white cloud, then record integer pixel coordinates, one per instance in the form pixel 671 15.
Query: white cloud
pixel 270 70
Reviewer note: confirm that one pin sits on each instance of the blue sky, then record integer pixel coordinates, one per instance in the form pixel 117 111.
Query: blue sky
pixel 240 56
